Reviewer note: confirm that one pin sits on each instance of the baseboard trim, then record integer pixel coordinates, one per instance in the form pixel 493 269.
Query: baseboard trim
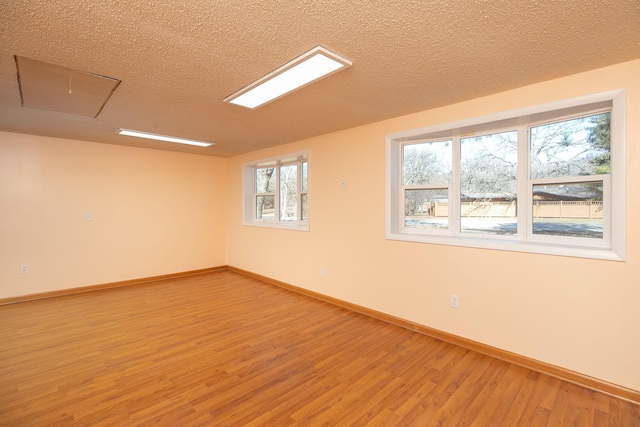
pixel 526 362
pixel 133 282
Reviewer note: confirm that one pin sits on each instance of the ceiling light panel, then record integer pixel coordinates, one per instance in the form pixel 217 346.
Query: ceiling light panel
pixel 165 138
pixel 305 69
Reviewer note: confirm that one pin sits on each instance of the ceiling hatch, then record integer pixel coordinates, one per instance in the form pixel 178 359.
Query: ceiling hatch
pixel 64 90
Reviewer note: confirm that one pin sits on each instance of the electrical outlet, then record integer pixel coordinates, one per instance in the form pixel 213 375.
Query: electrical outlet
pixel 88 216
pixel 24 268
pixel 455 301
pixel 322 271
pixel 343 183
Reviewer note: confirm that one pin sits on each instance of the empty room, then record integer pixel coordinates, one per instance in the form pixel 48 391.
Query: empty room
pixel 273 213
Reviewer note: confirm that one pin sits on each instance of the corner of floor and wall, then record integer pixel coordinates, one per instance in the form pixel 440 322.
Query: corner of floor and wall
pixel 75 214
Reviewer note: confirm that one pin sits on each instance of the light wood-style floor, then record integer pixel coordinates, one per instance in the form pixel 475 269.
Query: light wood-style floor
pixel 223 349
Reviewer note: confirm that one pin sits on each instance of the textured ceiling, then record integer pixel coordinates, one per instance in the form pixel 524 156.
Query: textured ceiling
pixel 178 60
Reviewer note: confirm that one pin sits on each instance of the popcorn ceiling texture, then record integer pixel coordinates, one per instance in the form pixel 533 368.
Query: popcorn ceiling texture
pixel 179 60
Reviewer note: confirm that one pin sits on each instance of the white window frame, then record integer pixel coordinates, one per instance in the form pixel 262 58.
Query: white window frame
pixel 611 247
pixel 249 192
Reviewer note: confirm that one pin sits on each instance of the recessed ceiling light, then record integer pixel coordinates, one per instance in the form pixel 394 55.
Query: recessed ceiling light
pixel 305 69
pixel 165 138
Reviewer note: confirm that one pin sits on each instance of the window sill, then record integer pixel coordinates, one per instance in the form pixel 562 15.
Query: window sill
pixel 576 251
pixel 278 225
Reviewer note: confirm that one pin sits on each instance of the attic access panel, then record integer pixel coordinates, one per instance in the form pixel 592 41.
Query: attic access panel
pixel 54 88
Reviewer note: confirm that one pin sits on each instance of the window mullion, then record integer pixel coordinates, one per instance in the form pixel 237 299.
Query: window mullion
pixel 299 192
pixel 525 194
pixel 276 199
pixel 454 189
pixel 403 194
pixel 254 199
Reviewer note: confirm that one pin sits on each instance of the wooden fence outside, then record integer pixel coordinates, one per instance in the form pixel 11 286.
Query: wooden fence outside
pixel 541 209
pixel 563 209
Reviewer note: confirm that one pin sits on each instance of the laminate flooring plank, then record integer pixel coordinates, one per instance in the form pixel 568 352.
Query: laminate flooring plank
pixel 225 349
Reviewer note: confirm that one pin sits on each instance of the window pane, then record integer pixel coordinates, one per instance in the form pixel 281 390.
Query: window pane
pixel 489 184
pixel 304 176
pixel 571 148
pixel 427 163
pixel 426 208
pixel 265 180
pixel 265 206
pixel 572 209
pixel 304 209
pixel 288 193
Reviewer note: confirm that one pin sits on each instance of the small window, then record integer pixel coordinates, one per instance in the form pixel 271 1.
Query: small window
pixel 426 177
pixel 275 192
pixel 265 193
pixel 489 184
pixel 546 179
pixel 570 170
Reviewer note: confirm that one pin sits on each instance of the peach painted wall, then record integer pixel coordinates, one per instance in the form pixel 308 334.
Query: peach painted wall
pixel 580 314
pixel 154 213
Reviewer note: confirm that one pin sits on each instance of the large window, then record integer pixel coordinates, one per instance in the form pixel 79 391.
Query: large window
pixel 548 179
pixel 275 192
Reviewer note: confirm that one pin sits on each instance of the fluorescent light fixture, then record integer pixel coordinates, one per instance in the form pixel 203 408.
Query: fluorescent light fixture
pixel 305 69
pixel 165 138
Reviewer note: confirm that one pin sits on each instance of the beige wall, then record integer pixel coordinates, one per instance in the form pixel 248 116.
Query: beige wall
pixel 158 212
pixel 580 314
pixel 154 213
